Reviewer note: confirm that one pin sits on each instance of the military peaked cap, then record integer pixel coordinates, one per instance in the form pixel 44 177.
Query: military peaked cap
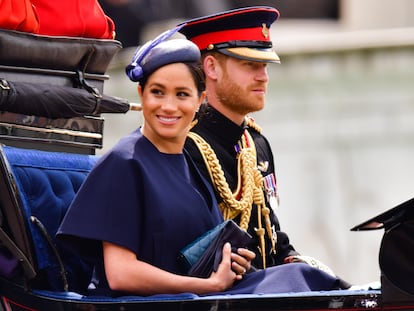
pixel 241 33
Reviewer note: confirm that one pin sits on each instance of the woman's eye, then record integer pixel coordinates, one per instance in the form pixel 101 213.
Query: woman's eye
pixel 156 91
pixel 183 94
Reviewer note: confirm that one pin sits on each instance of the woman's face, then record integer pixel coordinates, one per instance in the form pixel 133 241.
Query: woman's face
pixel 169 102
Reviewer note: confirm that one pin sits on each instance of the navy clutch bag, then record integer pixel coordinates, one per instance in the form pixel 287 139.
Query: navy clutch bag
pixel 201 257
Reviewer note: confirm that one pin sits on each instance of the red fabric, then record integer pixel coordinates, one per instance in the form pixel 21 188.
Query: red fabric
pixel 18 15
pixel 249 34
pixel 74 18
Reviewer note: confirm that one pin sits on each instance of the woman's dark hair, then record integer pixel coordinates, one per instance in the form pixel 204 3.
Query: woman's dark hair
pixel 198 75
pixel 196 71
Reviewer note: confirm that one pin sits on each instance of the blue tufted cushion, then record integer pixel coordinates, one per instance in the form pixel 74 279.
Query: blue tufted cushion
pixel 47 182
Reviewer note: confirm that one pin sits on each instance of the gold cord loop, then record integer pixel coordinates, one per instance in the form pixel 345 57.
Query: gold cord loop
pixel 249 188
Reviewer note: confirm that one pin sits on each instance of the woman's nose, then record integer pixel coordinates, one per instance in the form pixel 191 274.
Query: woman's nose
pixel 169 103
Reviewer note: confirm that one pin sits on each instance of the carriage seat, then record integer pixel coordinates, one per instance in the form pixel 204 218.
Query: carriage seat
pixel 36 189
pixel 41 185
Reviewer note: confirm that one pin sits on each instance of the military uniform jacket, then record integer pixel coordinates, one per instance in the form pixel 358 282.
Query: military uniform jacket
pixel 222 135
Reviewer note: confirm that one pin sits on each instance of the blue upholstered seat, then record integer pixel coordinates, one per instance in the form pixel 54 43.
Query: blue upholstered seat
pixel 45 185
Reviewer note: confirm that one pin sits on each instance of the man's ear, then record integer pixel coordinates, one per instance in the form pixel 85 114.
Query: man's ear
pixel 211 66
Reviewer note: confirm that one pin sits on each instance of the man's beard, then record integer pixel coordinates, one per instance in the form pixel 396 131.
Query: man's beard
pixel 237 98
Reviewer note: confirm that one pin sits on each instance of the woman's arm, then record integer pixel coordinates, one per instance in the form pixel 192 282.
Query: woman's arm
pixel 125 272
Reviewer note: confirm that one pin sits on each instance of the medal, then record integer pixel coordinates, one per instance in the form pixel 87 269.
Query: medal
pixel 271 191
pixel 273 202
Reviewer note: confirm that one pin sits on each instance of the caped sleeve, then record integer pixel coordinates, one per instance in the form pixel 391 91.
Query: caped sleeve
pixel 106 208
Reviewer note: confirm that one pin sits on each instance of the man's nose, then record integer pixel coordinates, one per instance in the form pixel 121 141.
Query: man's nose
pixel 262 74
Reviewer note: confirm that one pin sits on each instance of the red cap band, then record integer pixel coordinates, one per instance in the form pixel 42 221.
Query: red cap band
pixel 247 34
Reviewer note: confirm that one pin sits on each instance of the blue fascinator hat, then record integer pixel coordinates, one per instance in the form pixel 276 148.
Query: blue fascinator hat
pixel 160 52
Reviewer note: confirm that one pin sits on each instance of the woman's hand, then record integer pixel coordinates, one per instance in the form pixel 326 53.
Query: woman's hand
pixel 126 273
pixel 241 262
pixel 224 277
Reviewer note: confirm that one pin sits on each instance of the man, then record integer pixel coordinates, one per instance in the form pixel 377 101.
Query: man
pixel 225 143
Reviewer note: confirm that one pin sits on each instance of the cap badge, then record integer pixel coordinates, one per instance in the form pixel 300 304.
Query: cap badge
pixel 265 30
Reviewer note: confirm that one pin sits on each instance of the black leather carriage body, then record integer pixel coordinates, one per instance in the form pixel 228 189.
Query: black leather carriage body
pixel 59 61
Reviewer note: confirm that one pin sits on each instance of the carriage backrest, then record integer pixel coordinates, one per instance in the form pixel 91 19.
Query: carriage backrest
pixel 43 184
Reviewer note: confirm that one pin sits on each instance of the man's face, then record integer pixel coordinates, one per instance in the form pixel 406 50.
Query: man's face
pixel 241 85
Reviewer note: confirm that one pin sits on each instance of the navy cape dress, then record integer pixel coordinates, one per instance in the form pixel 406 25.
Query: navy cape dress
pixel 154 204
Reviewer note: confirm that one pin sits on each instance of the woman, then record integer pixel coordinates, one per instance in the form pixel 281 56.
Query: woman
pixel 145 200
pixel 139 198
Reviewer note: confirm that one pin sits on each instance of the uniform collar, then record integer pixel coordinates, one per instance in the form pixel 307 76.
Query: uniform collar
pixel 219 125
